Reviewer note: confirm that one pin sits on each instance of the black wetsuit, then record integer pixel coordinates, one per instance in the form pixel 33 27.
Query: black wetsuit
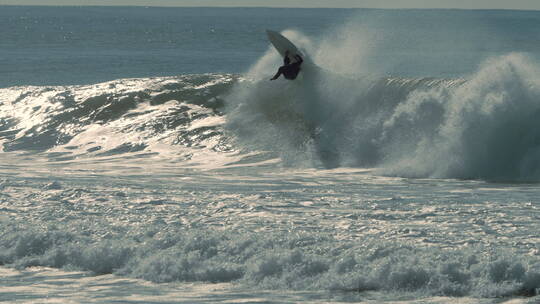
pixel 289 70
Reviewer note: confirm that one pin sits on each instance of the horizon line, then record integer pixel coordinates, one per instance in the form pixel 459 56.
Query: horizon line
pixel 274 7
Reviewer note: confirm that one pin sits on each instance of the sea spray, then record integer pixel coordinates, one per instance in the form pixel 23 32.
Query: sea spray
pixel 297 120
pixel 485 128
pixel 482 126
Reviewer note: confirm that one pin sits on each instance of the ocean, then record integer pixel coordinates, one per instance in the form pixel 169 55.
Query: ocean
pixel 146 157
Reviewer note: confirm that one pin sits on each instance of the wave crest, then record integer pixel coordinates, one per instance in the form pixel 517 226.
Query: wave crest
pixel 482 127
pixel 122 116
pixel 487 127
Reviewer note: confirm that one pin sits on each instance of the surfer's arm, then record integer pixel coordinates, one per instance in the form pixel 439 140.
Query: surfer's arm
pixel 299 59
pixel 286 59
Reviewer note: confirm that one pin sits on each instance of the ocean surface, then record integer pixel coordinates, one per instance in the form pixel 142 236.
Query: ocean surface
pixel 147 158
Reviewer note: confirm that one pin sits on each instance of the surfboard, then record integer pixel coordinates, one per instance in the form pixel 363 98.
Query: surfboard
pixel 282 45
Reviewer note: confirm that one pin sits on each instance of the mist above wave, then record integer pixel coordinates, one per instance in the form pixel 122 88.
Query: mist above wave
pixel 481 126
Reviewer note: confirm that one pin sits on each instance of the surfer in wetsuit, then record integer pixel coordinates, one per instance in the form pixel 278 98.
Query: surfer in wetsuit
pixel 289 70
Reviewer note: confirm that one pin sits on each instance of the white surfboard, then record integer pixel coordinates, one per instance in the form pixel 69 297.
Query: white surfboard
pixel 283 45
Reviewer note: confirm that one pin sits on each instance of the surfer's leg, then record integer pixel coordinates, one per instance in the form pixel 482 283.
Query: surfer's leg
pixel 279 72
pixel 276 76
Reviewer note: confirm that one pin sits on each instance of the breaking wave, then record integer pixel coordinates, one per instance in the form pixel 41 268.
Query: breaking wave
pixel 277 261
pixel 138 116
pixel 483 126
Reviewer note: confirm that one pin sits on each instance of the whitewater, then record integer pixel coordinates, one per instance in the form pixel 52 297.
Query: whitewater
pixel 349 184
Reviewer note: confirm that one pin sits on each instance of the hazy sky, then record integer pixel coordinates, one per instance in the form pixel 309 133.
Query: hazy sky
pixel 467 4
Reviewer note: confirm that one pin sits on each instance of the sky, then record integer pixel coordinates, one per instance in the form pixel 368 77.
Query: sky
pixel 464 4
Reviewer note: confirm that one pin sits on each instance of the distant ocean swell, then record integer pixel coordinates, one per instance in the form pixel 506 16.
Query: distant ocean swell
pixel 483 127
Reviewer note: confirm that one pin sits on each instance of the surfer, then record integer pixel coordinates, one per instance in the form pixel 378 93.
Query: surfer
pixel 289 70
